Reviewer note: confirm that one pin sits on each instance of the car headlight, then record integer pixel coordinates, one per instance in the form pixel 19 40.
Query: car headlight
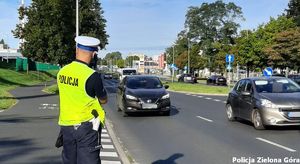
pixel 131 97
pixel 166 96
pixel 268 103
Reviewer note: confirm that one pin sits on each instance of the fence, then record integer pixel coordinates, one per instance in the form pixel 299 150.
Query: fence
pixel 22 64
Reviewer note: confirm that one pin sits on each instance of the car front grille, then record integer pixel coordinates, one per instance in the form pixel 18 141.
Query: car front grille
pixel 286 112
pixel 150 100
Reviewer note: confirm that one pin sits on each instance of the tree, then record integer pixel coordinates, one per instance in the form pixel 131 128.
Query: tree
pixel 5 46
pixel 50 29
pixel 113 56
pixel 213 22
pixel 129 60
pixel 293 11
pixel 285 52
pixel 121 63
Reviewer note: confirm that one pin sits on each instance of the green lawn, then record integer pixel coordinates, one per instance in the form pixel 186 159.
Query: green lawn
pixel 198 88
pixel 10 79
pixel 53 89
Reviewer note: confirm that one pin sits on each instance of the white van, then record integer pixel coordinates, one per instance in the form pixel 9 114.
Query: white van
pixel 127 71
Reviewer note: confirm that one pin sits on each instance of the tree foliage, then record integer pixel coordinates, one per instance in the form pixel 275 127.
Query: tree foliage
pixel 50 28
pixel 5 46
pixel 293 11
pixel 113 56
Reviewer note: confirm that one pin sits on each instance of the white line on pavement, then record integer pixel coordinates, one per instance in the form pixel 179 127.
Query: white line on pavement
pixel 104 130
pixel 108 154
pixel 188 94
pixel 200 96
pixel 194 95
pixel 205 119
pixel 104 135
pixel 217 100
pixel 276 144
pixel 224 102
pixel 1 110
pixel 108 146
pixel 106 140
pixel 110 162
pixel 208 98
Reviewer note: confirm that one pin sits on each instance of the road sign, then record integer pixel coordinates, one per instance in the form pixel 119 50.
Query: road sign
pixel 229 67
pixel 185 67
pixel 229 58
pixel 268 72
pixel 173 66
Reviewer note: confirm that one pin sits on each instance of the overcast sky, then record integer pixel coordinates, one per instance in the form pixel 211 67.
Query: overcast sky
pixel 147 26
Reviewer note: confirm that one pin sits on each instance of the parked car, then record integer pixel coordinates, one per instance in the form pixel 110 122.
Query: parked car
pixel 108 76
pixel 265 101
pixel 187 78
pixel 216 80
pixel 143 94
pixel 295 78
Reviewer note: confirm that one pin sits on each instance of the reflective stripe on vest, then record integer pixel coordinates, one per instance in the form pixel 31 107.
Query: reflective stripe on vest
pixel 75 104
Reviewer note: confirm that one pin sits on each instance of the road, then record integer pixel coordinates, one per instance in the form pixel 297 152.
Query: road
pixel 197 132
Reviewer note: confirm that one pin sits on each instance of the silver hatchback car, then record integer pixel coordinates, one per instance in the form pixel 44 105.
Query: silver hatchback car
pixel 265 101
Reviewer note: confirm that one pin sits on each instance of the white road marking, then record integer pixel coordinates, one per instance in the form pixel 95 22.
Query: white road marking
pixel 188 94
pixel 54 104
pixel 106 140
pixel 200 96
pixel 217 100
pixel 1 110
pixel 104 130
pixel 110 162
pixel 45 104
pixel 276 144
pixel 108 146
pixel 108 154
pixel 104 135
pixel 208 98
pixel 224 102
pixel 194 95
pixel 206 119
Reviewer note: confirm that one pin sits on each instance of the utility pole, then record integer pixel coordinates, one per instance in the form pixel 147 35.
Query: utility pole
pixel 189 64
pixel 173 64
pixel 77 18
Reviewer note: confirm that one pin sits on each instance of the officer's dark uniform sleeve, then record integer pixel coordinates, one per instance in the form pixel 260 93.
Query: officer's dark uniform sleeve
pixel 94 86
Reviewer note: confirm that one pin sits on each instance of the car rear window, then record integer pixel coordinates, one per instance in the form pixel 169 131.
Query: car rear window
pixel 144 83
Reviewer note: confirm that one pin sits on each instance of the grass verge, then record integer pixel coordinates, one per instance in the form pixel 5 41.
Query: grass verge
pixel 53 89
pixel 198 88
pixel 10 79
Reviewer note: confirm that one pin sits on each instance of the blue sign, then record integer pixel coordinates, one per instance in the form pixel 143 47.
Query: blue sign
pixel 268 72
pixel 229 67
pixel 173 65
pixel 229 58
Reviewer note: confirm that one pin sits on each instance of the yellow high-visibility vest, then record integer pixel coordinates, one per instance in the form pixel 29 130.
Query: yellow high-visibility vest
pixel 75 104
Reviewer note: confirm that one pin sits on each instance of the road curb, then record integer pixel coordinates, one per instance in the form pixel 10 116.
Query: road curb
pixel 119 147
pixel 207 94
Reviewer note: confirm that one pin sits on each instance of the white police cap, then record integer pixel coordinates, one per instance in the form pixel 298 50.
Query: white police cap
pixel 87 43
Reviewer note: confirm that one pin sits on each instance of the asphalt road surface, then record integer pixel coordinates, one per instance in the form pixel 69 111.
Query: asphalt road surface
pixel 198 132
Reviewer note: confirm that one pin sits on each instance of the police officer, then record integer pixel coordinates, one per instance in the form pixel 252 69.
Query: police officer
pixel 81 116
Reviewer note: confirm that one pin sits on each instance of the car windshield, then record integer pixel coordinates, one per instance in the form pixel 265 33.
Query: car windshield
pixel 276 86
pixel 144 83
pixel 129 72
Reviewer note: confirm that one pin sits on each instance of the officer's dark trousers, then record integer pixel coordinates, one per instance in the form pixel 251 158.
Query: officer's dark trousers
pixel 81 145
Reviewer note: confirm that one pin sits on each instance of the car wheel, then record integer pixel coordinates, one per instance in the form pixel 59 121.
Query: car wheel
pixel 257 120
pixel 229 112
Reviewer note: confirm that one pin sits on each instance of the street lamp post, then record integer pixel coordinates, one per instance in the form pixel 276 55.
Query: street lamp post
pixel 173 64
pixel 189 64
pixel 77 18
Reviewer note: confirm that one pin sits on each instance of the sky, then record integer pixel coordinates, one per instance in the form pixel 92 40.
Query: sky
pixel 147 26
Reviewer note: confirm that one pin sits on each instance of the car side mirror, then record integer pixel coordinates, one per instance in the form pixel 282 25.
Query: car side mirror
pixel 245 93
pixel 166 86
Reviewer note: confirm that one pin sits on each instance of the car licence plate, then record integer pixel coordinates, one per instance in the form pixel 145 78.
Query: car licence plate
pixel 294 114
pixel 221 80
pixel 149 106
pixel 189 78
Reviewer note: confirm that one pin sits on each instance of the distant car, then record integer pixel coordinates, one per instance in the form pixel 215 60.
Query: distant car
pixel 127 71
pixel 188 78
pixel 108 76
pixel 295 78
pixel 265 101
pixel 216 80
pixel 141 93
pixel 177 76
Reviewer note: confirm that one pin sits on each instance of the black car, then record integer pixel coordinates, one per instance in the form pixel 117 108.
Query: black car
pixel 295 78
pixel 216 80
pixel 188 78
pixel 143 94
pixel 265 101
